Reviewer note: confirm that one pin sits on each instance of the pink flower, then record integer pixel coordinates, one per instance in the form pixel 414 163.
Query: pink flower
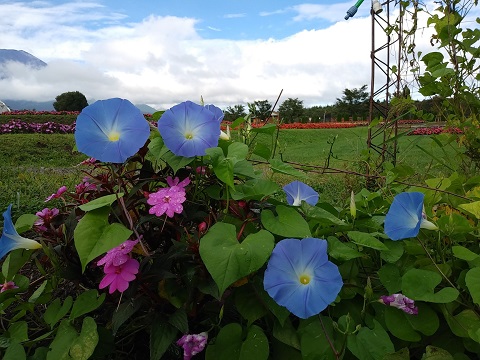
pixel 176 182
pixel 84 186
pixel 192 344
pixel 400 302
pixel 167 200
pixel 58 194
pixel 45 217
pixel 118 277
pixel 201 170
pixel 89 161
pixel 8 285
pixel 202 227
pixel 118 255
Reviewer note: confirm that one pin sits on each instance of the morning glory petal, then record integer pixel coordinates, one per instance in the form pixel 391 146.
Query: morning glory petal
pixel 188 129
pixel 404 217
pixel 300 277
pixel 10 239
pixel 111 130
pixel 216 111
pixel 297 191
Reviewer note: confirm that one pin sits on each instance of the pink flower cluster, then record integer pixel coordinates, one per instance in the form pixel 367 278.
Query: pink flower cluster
pixel 434 130
pixel 192 344
pixel 401 302
pixel 169 200
pixel 32 112
pixel 16 126
pixel 119 267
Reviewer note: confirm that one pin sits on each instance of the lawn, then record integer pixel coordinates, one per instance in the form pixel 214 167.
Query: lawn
pixel 36 165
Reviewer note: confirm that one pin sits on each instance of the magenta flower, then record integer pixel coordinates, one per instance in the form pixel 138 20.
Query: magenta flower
pixel 58 194
pixel 192 344
pixel 118 255
pixel 45 217
pixel 401 302
pixel 84 187
pixel 176 182
pixel 7 285
pixel 89 161
pixel 167 201
pixel 119 277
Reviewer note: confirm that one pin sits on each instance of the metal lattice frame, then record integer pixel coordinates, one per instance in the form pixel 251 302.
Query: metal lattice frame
pixel 384 82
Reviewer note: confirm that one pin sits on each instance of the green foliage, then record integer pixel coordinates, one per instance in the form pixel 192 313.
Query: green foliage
pixel 260 109
pixel 291 110
pixel 232 113
pixel 70 101
pixel 353 103
pixel 453 78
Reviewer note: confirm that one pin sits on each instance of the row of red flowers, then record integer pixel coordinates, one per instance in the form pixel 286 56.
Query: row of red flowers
pixel 434 131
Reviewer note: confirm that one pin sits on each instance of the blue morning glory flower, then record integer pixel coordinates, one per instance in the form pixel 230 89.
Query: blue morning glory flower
pixel 216 111
pixel 300 277
pixel 111 130
pixel 10 239
pixel 406 216
pixel 188 129
pixel 297 191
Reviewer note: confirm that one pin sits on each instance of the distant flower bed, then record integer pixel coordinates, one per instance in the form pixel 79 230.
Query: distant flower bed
pixel 23 127
pixel 434 131
pixel 332 125
pixel 32 112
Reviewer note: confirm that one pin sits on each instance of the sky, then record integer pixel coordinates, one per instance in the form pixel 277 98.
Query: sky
pixel 160 52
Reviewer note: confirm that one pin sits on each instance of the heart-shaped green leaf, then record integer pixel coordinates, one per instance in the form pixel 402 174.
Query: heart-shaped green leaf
pixel 419 284
pixel 228 260
pixel 367 240
pixel 94 236
pixel 106 200
pixel 288 223
pixel 472 279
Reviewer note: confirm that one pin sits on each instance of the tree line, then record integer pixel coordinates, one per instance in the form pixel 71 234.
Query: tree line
pixel 354 104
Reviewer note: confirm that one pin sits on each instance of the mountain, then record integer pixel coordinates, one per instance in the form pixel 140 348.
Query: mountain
pixel 20 56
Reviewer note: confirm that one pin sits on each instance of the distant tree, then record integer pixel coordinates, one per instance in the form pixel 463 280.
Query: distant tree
pixel 70 101
pixel 319 113
pixel 235 112
pixel 291 110
pixel 354 103
pixel 260 109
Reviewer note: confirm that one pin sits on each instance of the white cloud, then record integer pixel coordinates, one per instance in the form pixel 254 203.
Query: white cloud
pixel 164 60
pixel 234 16
pixel 330 12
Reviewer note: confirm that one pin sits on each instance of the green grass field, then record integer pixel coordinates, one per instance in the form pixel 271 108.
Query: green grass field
pixel 36 165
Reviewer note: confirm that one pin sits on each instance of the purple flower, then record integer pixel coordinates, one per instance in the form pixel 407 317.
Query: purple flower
pixel 406 216
pixel 119 277
pixel 176 182
pixel 188 129
pixel 58 194
pixel 118 255
pixel 297 191
pixel 192 344
pixel 8 285
pixel 45 217
pixel 300 277
pixel 10 239
pixel 401 302
pixel 111 130
pixel 167 201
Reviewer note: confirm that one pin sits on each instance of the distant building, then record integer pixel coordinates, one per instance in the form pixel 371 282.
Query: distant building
pixel 3 107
